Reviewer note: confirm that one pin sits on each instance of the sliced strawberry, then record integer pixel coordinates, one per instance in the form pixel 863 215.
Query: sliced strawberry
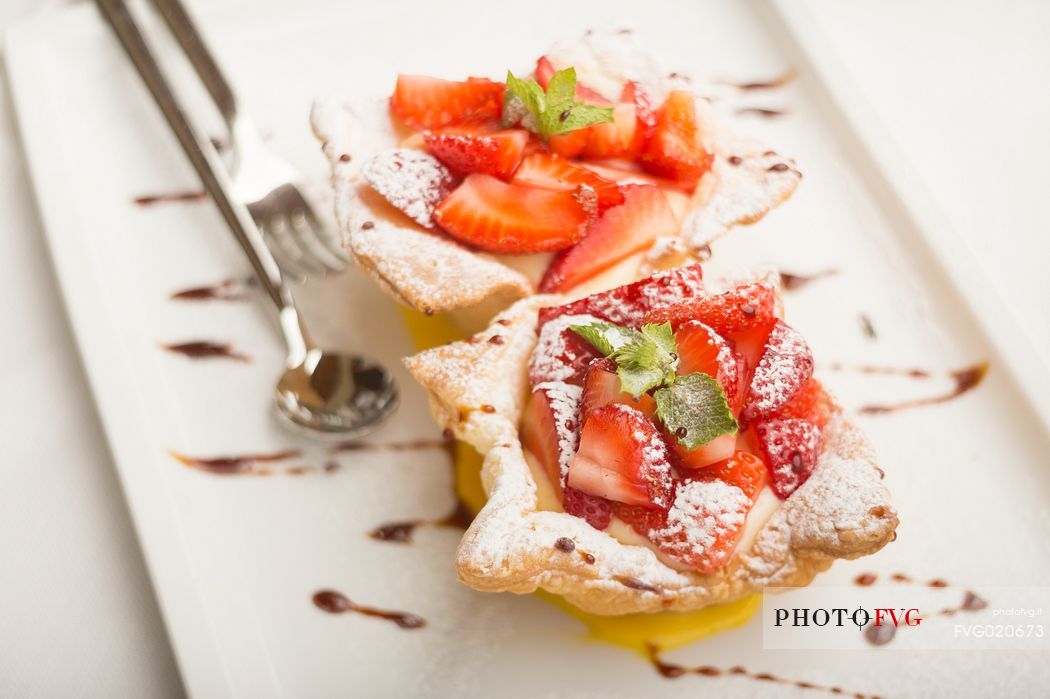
pixel 791 448
pixel 704 524
pixel 745 307
pixel 510 218
pixel 702 349
pixel 628 305
pixel 626 173
pixel 560 354
pixel 569 145
pixel 619 233
pixel 718 449
pixel 811 403
pixel 430 103
pixel 597 511
pixel 613 139
pixel 412 181
pixel 785 366
pixel 472 149
pixel 622 457
pixel 602 386
pixel 553 172
pixel 642 519
pixel 743 469
pixel 545 71
pixel 675 150
pixel 751 345
pixel 550 428
pixel 633 93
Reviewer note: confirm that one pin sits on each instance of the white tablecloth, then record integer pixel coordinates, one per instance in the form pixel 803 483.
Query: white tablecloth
pixel 960 85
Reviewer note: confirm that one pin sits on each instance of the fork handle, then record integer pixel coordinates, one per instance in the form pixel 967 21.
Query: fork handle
pixel 202 154
pixel 189 37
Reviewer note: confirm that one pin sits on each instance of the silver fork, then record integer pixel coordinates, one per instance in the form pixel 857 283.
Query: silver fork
pixel 269 185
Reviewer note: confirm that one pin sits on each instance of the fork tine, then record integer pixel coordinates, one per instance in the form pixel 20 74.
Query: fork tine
pixel 308 238
pixel 325 234
pixel 290 253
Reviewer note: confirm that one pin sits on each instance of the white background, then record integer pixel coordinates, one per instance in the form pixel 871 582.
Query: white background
pixel 960 85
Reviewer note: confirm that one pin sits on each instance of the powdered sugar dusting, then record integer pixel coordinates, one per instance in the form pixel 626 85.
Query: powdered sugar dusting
pixel 564 399
pixel 557 356
pixel 411 180
pixel 703 512
pixel 785 366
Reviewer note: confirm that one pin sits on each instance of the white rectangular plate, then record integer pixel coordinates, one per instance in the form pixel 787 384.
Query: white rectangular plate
pixel 235 560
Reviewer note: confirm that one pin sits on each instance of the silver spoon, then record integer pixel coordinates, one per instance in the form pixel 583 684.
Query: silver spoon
pixel 321 393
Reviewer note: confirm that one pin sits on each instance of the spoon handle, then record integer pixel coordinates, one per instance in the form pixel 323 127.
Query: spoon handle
pixel 202 154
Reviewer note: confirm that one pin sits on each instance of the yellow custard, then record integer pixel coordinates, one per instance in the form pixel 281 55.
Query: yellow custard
pixel 666 630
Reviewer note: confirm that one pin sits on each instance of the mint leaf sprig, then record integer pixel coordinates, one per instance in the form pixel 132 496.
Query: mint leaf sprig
pixel 693 408
pixel 554 111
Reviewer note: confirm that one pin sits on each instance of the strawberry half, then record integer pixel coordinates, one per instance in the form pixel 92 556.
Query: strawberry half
pixel 474 149
pixel 633 93
pixel 550 428
pixel 597 511
pixel 560 354
pixel 718 449
pixel 704 524
pixel 545 71
pixel 742 308
pixel 641 519
pixel 812 404
pixel 430 103
pixel 622 457
pixel 553 172
pixel 628 305
pixel 569 145
pixel 791 448
pixel 743 469
pixel 500 217
pixel 619 233
pixel 602 386
pixel 674 150
pixel 785 366
pixel 702 349
pixel 613 139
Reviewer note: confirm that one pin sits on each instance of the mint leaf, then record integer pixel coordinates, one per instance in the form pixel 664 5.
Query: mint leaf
pixel 551 112
pixel 694 409
pixel 644 360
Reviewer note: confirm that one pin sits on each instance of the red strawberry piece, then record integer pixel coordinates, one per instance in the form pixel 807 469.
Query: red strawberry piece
pixel 622 457
pixel 704 524
pixel 628 305
pixel 602 386
pixel 751 345
pixel 469 150
pixel 597 511
pixel 812 404
pixel 642 519
pixel 430 103
pixel 560 354
pixel 743 469
pixel 569 145
pixel 791 448
pixel 619 233
pixel 675 150
pixel 784 367
pixel 553 172
pixel 412 181
pixel 545 71
pixel 742 308
pixel 625 173
pixel 718 449
pixel 701 349
pixel 633 93
pixel 550 428
pixel 500 217
pixel 613 139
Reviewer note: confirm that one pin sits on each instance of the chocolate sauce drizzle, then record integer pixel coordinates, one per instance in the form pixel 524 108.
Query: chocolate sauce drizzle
pixel 244 464
pixel 881 635
pixel 170 197
pixel 780 81
pixel 764 112
pixel 673 671
pixel 791 282
pixel 337 603
pixel 206 349
pixel 965 380
pixel 226 290
pixel 401 532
